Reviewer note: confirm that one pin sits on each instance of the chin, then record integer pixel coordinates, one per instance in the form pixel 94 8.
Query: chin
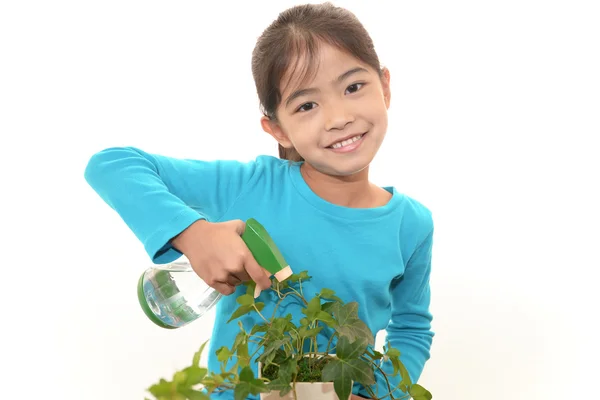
pixel 349 169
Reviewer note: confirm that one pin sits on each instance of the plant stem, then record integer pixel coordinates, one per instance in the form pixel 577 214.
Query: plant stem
pixel 259 313
pixel 330 341
pixel 255 336
pixel 300 296
pixel 374 396
pixel 255 351
pixel 278 303
pixel 384 376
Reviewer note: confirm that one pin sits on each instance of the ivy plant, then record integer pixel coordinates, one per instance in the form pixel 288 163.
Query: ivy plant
pixel 288 352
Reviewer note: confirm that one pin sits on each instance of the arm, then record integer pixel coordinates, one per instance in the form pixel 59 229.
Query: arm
pixel 409 329
pixel 158 197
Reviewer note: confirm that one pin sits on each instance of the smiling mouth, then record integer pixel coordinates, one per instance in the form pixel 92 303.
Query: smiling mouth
pixel 347 142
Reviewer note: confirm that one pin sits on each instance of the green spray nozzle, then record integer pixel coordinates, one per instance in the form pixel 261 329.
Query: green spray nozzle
pixel 264 250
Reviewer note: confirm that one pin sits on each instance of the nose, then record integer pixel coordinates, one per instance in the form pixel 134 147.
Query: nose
pixel 337 116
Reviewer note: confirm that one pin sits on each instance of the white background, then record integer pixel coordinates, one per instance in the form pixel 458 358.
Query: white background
pixel 494 126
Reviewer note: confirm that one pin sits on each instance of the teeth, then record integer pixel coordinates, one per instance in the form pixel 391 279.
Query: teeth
pixel 346 142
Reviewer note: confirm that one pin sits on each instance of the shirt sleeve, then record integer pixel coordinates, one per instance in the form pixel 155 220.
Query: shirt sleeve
pixel 158 196
pixel 409 329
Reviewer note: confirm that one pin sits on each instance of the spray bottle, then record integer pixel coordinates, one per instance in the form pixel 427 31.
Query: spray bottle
pixel 173 295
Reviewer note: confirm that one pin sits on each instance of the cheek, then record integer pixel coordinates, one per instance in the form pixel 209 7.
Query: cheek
pixel 306 131
pixel 379 112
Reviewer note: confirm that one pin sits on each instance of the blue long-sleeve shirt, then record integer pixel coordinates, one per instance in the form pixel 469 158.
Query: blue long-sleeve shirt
pixel 379 257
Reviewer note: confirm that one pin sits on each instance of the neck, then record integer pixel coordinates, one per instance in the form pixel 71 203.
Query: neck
pixel 354 191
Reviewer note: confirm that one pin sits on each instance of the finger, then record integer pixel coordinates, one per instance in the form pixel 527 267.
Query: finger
pixel 239 272
pixel 257 289
pixel 256 272
pixel 238 225
pixel 233 280
pixel 224 288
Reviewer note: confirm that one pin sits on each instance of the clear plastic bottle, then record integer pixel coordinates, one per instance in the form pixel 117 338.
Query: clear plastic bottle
pixel 173 295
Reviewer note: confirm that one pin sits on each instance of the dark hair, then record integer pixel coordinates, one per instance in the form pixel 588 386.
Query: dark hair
pixel 298 32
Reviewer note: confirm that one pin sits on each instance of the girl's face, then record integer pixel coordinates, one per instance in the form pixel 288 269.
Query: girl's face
pixel 338 120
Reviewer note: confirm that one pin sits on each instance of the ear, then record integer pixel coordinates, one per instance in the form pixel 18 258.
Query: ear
pixel 385 83
pixel 274 129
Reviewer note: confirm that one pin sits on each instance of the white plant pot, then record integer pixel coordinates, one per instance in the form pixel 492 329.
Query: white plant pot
pixel 305 391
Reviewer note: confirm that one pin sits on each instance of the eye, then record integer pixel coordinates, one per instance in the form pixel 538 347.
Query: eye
pixel 355 87
pixel 306 107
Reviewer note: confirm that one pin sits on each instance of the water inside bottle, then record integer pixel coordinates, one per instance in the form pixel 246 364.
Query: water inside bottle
pixel 176 294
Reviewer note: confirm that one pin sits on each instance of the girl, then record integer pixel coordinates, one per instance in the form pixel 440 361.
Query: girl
pixel 325 98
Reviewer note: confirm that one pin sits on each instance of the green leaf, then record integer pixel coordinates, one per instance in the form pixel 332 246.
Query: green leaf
pixel 248 384
pixel 357 370
pixel 304 332
pixel 350 325
pixel 161 388
pixel 257 386
pixel 287 369
pixel 241 391
pixel 304 276
pixel 192 394
pixel 357 330
pixel 277 328
pixel 240 338
pixel 271 348
pixel 343 387
pixel 198 354
pixel 194 375
pixel 326 318
pixel 259 328
pixel 314 305
pixel 245 300
pixel 268 360
pixel 281 357
pixel 246 375
pixel 223 354
pixel 242 310
pixel 337 372
pixel 404 373
pixel 179 377
pixel 280 286
pixel 348 351
pixel 250 286
pixel 279 385
pixel 392 352
pixel 329 294
pixel 242 355
pixel 418 392
pixel 374 354
pixel 312 309
pixel 212 381
pixel 347 313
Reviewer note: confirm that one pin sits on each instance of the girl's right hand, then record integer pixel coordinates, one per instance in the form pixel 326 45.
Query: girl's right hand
pixel 219 256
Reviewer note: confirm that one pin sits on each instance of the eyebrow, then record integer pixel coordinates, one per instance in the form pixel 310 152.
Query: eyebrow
pixel 341 78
